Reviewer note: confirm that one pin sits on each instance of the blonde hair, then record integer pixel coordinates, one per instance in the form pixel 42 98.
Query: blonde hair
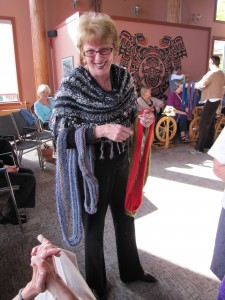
pixel 144 89
pixel 96 27
pixel 43 88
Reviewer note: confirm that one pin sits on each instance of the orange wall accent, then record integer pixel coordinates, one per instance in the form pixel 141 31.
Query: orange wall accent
pixel 40 60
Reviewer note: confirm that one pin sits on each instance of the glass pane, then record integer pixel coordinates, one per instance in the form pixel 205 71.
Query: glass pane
pixel 220 10
pixel 219 49
pixel 8 72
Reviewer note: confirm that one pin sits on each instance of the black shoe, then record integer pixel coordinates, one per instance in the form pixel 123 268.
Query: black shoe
pixel 14 221
pixel 145 277
pixel 99 295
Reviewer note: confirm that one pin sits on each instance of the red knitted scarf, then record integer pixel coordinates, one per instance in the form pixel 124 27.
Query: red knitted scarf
pixel 139 165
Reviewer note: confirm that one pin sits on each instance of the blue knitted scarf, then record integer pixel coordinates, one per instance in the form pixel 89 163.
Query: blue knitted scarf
pixel 68 198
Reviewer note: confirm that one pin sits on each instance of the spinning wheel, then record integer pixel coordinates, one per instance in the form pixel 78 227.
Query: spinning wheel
pixel 220 123
pixel 193 128
pixel 165 130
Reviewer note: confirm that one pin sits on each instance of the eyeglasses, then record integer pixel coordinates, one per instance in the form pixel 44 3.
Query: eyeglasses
pixel 92 52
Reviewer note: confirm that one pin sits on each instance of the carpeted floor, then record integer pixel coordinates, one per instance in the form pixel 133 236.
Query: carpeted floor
pixel 175 230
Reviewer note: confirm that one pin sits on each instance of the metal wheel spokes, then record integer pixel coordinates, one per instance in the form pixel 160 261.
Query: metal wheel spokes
pixel 219 127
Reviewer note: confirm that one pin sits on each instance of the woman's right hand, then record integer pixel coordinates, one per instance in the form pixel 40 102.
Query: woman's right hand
pixel 114 132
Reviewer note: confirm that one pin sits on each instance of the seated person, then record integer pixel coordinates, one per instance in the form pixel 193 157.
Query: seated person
pixel 46 282
pixel 44 105
pixel 147 101
pixel 176 76
pixel 25 195
pixel 175 100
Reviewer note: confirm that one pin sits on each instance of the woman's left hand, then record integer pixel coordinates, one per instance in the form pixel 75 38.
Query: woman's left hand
pixel 146 118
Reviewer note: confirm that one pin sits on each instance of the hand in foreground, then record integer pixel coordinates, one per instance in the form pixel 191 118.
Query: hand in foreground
pixel 146 118
pixel 38 281
pixel 44 276
pixel 46 249
pixel 11 169
pixel 114 132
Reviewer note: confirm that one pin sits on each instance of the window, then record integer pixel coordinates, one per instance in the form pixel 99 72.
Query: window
pixel 219 50
pixel 9 91
pixel 220 11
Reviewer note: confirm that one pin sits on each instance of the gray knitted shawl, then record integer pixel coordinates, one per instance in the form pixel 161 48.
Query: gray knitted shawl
pixel 81 103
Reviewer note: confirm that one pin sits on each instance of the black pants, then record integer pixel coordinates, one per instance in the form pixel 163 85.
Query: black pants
pixel 112 176
pixel 182 122
pixel 207 125
pixel 25 196
pixel 5 147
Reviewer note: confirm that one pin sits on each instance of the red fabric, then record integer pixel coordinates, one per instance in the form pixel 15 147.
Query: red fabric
pixel 136 177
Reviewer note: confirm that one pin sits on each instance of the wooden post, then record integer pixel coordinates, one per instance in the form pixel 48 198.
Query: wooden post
pixel 95 5
pixel 39 42
pixel 174 11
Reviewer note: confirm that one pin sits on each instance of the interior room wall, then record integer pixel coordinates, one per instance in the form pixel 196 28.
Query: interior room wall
pixel 57 11
pixel 64 46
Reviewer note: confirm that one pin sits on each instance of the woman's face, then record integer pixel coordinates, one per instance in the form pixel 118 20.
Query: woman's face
pixel 99 64
pixel 44 94
pixel 179 89
pixel 147 94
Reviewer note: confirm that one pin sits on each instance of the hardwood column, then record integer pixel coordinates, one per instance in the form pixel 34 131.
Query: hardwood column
pixel 174 11
pixel 39 42
pixel 95 5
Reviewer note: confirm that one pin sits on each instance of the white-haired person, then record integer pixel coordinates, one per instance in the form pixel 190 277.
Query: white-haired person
pixel 44 105
pixel 147 101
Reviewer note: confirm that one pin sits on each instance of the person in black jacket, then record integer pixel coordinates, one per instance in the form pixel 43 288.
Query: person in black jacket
pixel 25 195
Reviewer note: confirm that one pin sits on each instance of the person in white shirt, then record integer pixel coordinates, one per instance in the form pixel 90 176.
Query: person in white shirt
pixel 217 151
pixel 211 84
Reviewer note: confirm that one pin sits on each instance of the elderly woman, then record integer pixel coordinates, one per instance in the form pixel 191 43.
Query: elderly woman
pixel 175 100
pixel 95 110
pixel 146 100
pixel 44 105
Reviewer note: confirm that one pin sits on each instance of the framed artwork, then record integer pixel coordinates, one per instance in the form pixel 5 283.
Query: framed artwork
pixel 67 65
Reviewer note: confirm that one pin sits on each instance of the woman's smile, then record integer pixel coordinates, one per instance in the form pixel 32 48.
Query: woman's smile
pixel 98 64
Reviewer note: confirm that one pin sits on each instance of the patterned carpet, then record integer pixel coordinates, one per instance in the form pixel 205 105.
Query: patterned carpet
pixel 162 237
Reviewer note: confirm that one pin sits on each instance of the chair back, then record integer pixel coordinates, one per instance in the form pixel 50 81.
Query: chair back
pixel 8 128
pixel 21 123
